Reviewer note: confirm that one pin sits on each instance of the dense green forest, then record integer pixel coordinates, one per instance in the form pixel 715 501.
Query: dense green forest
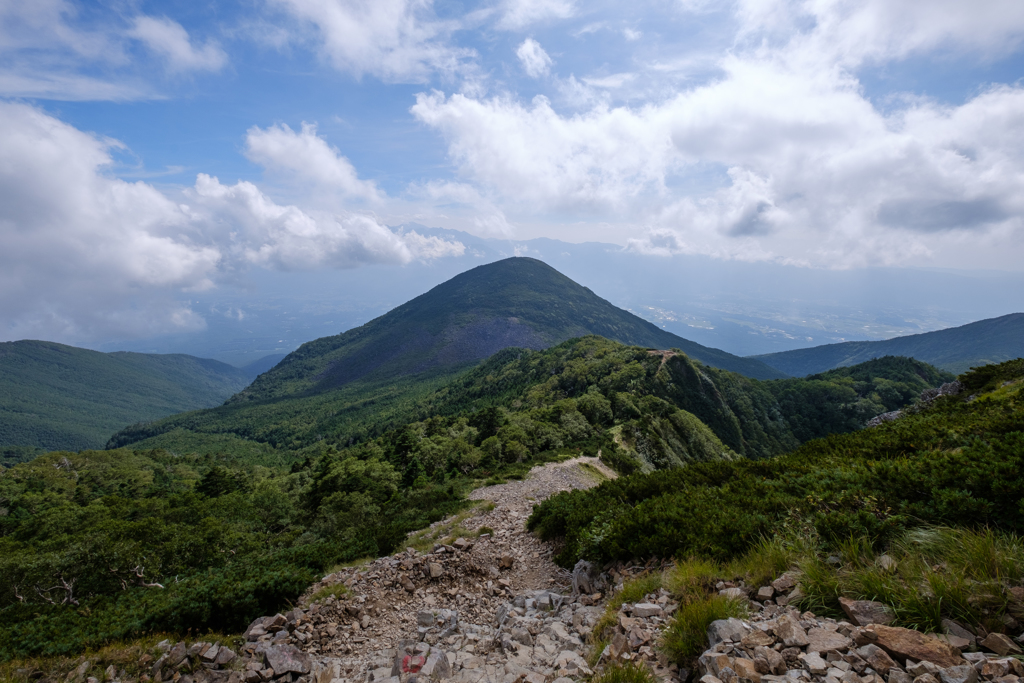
pixel 955 349
pixel 956 462
pixel 101 545
pixel 54 396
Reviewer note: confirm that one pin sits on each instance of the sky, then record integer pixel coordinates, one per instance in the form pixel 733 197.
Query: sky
pixel 156 153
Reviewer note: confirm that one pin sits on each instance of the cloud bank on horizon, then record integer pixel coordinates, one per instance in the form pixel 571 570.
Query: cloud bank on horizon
pixel 819 133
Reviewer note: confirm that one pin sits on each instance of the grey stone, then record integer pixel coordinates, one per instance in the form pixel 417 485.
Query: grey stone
pixel 436 666
pixel 287 659
pixel 647 609
pixel 726 629
pixel 823 641
pixel 789 631
pixel 815 664
pixel 900 676
pixel 963 673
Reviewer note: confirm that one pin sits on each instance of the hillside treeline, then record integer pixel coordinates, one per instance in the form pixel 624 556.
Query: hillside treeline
pixel 103 545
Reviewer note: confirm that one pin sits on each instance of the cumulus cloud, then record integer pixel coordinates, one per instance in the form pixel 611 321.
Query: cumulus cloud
pixel 307 156
pixel 397 40
pixel 88 256
pixel 881 30
pixel 518 14
pixel 781 155
pixel 171 41
pixel 535 60
pixel 256 230
pixel 80 248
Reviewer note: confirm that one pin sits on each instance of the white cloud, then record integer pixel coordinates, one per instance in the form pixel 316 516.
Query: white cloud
pixel 89 256
pixel 307 156
pixel 535 60
pixel 632 34
pixel 518 14
pixel 534 156
pixel 81 249
pixel 397 40
pixel 808 170
pixel 171 41
pixel 879 30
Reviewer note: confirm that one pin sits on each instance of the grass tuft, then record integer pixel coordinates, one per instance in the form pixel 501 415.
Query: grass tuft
pixel 338 591
pixel 687 634
pixel 630 672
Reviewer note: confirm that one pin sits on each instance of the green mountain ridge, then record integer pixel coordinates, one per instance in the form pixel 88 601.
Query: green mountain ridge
pixel 291 512
pixel 518 302
pixel 955 349
pixel 356 385
pixel 54 396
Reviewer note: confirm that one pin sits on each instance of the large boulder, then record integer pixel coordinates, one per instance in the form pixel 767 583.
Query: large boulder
pixel 903 644
pixel 287 659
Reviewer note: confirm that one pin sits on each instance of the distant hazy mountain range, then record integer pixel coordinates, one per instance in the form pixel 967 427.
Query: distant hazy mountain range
pixel 955 349
pixel 54 396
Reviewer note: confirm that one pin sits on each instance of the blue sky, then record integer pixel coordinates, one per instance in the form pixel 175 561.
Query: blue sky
pixel 149 151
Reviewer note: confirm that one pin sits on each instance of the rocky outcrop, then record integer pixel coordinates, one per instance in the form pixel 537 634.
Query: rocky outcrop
pixel 780 644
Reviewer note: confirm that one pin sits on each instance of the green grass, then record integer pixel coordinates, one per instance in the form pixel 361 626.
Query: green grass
pixel 632 591
pixel 629 672
pixel 940 572
pixel 337 591
pixel 686 635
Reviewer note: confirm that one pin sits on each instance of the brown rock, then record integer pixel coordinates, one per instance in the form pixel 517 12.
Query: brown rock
pixel 1000 644
pixel 745 668
pixel 757 638
pixel 790 632
pixel 784 583
pixel 823 640
pixel 864 612
pixel 506 562
pixel 926 678
pixel 903 643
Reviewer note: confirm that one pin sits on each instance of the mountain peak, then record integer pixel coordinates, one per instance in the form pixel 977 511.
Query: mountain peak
pixel 516 302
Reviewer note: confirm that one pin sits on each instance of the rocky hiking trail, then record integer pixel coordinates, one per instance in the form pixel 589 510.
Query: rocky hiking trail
pixel 488 606
pixel 482 602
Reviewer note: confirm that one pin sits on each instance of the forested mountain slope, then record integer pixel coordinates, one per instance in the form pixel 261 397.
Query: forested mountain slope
pixel 955 462
pixel 232 535
pixel 54 396
pixel 955 350
pixel 517 302
pixel 356 384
